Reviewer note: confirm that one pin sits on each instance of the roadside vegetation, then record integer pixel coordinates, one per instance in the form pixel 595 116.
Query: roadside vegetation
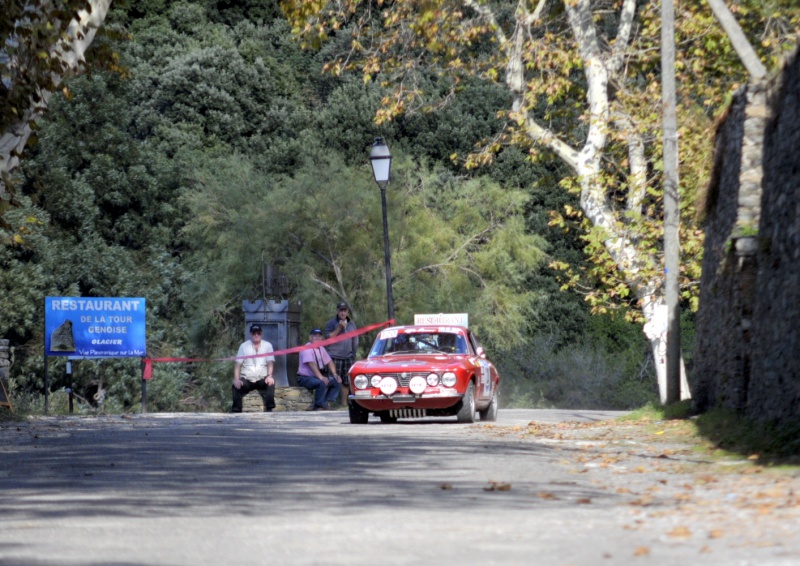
pixel 720 433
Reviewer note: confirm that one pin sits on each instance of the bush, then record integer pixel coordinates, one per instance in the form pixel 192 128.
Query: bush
pixel 587 375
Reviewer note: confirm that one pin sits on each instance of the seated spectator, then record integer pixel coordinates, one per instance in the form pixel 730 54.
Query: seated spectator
pixel 313 362
pixel 254 373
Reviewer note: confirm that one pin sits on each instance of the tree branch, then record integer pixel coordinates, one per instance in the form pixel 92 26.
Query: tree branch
pixel 739 40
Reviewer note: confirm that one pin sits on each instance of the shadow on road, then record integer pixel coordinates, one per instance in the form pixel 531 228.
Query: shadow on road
pixel 248 464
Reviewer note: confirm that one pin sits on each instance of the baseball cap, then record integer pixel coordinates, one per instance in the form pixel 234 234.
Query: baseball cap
pixel 315 331
pixel 255 328
pixel 341 306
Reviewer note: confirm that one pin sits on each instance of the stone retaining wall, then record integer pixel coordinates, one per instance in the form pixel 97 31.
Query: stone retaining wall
pixel 286 399
pixel 4 365
pixel 4 362
pixel 748 335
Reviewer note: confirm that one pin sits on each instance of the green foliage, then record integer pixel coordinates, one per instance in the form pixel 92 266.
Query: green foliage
pixel 608 368
pixel 98 217
pixel 221 142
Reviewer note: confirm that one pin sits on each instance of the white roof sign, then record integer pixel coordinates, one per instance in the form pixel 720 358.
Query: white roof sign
pixel 454 319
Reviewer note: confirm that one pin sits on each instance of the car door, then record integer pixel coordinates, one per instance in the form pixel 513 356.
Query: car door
pixel 484 388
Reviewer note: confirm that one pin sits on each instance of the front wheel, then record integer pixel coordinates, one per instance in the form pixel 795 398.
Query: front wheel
pixel 358 414
pixel 489 414
pixel 466 414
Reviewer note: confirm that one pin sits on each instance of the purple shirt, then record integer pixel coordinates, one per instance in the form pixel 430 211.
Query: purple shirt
pixel 318 356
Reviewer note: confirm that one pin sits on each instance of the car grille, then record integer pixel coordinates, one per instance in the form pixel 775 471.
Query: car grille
pixel 403 378
pixel 407 413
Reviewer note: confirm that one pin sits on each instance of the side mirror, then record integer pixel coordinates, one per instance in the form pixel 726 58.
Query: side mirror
pixel 481 353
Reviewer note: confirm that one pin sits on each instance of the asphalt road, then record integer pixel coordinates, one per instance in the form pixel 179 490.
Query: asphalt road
pixel 309 488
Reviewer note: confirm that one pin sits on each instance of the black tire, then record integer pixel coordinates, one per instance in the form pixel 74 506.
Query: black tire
pixel 387 418
pixel 489 414
pixel 466 414
pixel 358 414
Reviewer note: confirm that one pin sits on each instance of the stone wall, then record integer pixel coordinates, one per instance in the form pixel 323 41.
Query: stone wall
pixel 286 399
pixel 748 346
pixel 4 364
pixel 774 393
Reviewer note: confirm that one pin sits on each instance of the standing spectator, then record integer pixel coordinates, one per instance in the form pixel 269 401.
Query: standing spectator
pixel 343 353
pixel 254 373
pixel 310 374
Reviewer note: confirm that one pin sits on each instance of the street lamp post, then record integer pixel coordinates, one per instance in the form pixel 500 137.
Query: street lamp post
pixel 381 161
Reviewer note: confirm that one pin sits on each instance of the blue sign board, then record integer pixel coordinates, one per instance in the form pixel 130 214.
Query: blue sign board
pixel 96 327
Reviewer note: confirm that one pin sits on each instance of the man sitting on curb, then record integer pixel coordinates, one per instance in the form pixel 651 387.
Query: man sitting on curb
pixel 309 374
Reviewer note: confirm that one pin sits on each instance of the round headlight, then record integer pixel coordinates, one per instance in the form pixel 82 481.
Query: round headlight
pixel 375 381
pixel 449 379
pixel 432 379
pixel 388 385
pixel 417 384
pixel 361 382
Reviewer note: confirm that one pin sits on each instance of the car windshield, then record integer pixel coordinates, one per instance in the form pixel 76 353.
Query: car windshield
pixel 420 343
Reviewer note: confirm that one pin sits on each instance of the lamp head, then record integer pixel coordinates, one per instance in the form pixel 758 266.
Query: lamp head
pixel 381 161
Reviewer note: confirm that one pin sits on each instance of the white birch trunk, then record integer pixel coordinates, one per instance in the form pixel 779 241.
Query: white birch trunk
pixel 655 329
pixel 587 162
pixel 80 32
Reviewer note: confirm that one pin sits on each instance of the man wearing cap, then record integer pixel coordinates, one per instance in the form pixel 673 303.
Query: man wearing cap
pixel 309 374
pixel 344 351
pixel 254 372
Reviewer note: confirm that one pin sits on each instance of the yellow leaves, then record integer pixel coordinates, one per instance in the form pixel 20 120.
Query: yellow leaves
pixel 546 495
pixel 641 551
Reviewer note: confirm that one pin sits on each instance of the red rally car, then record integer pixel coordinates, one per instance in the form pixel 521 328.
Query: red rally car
pixel 423 371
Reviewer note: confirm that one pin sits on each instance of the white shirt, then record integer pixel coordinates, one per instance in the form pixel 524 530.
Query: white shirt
pixel 254 369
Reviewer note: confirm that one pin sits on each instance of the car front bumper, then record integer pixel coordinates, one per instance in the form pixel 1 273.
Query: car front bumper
pixel 376 401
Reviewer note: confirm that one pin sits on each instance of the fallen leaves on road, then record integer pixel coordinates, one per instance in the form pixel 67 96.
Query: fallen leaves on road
pixel 680 532
pixel 497 486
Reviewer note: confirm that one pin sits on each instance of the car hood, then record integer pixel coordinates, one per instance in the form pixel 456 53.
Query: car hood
pixel 413 363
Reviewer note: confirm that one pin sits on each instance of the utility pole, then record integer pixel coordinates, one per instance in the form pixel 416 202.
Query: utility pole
pixel 671 202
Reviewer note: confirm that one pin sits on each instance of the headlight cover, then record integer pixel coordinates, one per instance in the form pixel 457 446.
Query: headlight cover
pixel 375 381
pixel 417 384
pixel 432 379
pixel 388 385
pixel 361 382
pixel 449 379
